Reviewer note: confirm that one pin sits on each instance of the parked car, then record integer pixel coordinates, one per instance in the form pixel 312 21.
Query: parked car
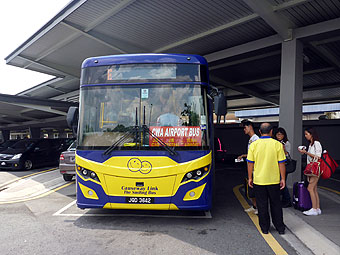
pixel 67 163
pixel 6 144
pixel 29 153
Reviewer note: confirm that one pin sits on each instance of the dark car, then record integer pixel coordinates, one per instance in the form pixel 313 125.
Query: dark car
pixel 29 153
pixel 6 144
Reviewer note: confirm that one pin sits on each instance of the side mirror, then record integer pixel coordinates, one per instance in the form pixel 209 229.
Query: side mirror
pixel 220 104
pixel 72 119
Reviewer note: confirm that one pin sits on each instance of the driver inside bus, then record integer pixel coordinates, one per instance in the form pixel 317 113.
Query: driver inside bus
pixel 168 115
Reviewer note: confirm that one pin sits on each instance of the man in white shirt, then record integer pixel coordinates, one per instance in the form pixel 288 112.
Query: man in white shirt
pixel 248 129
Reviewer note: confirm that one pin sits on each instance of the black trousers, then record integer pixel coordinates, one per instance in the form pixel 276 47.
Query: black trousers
pixel 265 194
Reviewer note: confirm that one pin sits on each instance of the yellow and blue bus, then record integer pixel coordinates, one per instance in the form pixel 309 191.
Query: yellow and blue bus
pixel 145 133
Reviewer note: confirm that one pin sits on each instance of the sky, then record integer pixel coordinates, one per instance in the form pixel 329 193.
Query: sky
pixel 19 20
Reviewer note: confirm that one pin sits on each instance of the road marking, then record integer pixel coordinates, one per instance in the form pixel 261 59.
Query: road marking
pixel 271 241
pixel 60 213
pixel 331 190
pixel 39 196
pixel 26 176
pixel 64 208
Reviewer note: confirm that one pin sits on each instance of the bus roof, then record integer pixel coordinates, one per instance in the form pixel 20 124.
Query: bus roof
pixel 144 58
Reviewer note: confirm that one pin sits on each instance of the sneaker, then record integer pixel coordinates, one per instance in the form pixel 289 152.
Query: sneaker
pixel 250 209
pixel 318 210
pixel 256 212
pixel 311 212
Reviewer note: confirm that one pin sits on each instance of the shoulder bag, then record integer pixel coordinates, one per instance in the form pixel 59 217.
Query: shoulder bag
pixel 313 168
pixel 290 164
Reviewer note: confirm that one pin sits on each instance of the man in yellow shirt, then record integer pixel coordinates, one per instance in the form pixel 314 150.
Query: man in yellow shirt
pixel 266 164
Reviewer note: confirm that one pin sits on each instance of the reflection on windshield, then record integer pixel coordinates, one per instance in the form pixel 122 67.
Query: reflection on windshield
pixel 175 114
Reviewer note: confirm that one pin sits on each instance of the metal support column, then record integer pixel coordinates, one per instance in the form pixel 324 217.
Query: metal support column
pixel 5 134
pixel 291 90
pixel 34 132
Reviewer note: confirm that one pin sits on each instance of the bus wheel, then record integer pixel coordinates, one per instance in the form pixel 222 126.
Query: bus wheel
pixel 68 177
pixel 28 165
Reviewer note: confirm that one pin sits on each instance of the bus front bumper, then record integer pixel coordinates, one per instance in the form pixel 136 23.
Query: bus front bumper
pixel 190 196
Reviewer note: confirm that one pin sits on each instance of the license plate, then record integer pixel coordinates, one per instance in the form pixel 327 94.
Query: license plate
pixel 139 200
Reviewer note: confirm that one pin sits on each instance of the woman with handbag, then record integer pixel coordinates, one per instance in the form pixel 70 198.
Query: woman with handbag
pixel 281 136
pixel 313 155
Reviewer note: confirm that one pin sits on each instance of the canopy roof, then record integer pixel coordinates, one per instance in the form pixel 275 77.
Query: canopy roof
pixel 240 39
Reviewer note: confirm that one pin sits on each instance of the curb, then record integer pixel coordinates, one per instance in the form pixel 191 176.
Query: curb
pixel 309 236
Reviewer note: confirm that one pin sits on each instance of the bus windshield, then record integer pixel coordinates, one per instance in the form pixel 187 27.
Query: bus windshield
pixel 124 116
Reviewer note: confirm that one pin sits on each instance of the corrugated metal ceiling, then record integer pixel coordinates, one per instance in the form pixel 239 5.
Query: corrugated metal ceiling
pixel 93 27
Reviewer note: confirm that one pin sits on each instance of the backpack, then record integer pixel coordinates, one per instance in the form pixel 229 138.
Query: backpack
pixel 327 165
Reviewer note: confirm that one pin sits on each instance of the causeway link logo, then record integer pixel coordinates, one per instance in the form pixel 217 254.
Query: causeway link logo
pixel 136 165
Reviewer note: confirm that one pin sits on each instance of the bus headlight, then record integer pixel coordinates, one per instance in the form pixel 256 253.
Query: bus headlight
pixel 87 174
pixel 196 174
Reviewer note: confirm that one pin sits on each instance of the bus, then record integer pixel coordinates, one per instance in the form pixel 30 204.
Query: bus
pixel 144 133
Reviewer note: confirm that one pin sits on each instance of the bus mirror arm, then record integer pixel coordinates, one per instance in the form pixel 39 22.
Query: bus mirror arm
pixel 72 119
pixel 213 92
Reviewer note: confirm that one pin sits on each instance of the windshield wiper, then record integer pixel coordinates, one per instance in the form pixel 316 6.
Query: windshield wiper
pixel 163 144
pixel 135 131
pixel 120 140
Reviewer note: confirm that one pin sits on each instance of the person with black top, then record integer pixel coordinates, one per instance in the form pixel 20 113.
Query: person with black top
pixel 248 129
pixel 281 136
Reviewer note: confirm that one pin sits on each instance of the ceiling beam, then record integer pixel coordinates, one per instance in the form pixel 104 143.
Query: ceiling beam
pixel 322 70
pixel 17 115
pixel 237 22
pixel 208 32
pixel 318 28
pixel 111 12
pixel 72 6
pixel 220 82
pixel 244 48
pixel 34 101
pixel 65 70
pixel 325 54
pixel 309 88
pixel 244 60
pixel 279 23
pixel 328 40
pixel 39 123
pixel 3 119
pixel 40 108
pixel 299 33
pixel 60 72
pixel 67 95
pixel 288 5
pixel 86 34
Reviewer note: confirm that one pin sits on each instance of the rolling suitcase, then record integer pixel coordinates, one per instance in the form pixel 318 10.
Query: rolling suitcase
pixel 301 197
